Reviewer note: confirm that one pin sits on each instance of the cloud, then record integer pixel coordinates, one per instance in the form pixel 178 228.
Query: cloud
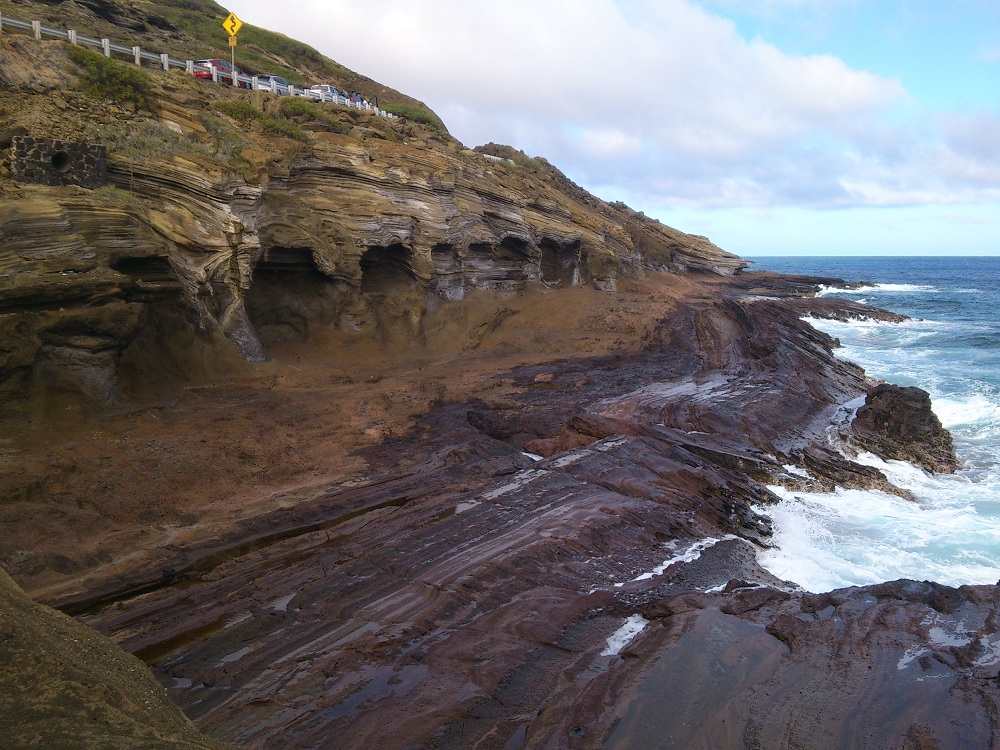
pixel 660 100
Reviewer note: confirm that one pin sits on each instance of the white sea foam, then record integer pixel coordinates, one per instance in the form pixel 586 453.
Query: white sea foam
pixel 692 553
pixel 856 537
pixel 950 347
pixel 625 635
pixel 910 288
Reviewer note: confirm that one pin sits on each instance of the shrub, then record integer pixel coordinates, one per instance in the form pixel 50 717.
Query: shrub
pixel 239 110
pixel 310 111
pixel 111 193
pixel 115 81
pixel 142 140
pixel 228 142
pixel 532 164
pixel 295 106
pixel 414 113
pixel 285 127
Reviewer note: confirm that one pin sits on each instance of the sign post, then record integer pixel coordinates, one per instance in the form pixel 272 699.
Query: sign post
pixel 232 25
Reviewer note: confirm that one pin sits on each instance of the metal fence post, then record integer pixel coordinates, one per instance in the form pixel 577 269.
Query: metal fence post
pixel 106 47
pixel 189 66
pixel 165 61
pixel 1 23
pixel 137 54
pixel 71 36
pixel 36 26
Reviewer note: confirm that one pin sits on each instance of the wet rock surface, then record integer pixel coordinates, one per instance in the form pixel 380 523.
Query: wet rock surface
pixel 458 592
pixel 495 478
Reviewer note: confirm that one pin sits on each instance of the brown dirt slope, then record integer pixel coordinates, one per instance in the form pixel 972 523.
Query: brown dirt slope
pixel 66 687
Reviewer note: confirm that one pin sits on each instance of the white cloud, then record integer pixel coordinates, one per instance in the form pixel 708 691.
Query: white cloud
pixel 658 99
pixel 608 143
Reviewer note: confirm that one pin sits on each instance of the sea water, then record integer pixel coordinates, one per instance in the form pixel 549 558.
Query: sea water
pixel 951 348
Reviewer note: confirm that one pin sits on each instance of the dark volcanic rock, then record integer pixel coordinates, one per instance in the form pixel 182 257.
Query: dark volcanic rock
pixel 898 423
pixel 882 666
pixel 456 593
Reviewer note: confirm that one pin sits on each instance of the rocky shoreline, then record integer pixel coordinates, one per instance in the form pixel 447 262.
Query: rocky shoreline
pixel 461 589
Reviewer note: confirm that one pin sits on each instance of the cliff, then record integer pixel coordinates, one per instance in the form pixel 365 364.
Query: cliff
pixel 356 436
pixel 211 225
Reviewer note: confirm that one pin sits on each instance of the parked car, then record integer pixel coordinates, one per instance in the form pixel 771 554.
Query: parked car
pixel 275 84
pixel 324 92
pixel 225 73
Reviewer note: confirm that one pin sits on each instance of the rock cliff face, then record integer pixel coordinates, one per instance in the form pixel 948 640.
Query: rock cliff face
pixel 373 228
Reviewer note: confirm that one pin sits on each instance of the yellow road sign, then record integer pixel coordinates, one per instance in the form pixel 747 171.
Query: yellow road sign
pixel 232 41
pixel 232 25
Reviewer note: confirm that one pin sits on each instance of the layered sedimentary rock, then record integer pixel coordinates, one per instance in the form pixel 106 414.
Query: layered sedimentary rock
pixel 342 233
pixel 462 593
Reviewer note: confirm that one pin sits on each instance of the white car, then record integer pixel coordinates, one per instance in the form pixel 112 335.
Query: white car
pixel 274 84
pixel 324 92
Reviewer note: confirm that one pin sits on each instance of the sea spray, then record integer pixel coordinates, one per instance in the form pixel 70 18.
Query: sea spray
pixel 951 348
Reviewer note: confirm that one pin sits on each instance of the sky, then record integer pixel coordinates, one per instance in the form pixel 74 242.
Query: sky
pixel 774 127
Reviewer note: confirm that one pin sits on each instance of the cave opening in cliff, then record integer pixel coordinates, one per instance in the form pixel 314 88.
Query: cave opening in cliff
pixel 512 249
pixel 386 270
pixel 289 296
pixel 152 275
pixel 146 268
pixel 560 264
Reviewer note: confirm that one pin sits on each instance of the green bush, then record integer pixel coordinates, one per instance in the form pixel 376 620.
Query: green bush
pixel 240 110
pixel 109 79
pixel 285 127
pixel 296 106
pixel 117 195
pixel 532 164
pixel 309 111
pixel 227 141
pixel 139 141
pixel 414 113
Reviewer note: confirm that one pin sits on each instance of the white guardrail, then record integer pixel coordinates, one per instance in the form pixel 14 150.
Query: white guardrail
pixel 138 56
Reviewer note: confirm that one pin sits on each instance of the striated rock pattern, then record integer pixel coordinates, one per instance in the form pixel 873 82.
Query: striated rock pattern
pixel 343 233
pixel 462 593
pixel 399 445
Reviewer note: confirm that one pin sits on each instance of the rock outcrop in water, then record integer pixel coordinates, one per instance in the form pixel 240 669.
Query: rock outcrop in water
pixel 898 423
pixel 497 417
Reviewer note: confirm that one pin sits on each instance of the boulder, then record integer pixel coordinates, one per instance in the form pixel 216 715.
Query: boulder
pixel 898 423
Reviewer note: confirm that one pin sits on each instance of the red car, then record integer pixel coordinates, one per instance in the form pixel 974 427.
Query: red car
pixel 225 71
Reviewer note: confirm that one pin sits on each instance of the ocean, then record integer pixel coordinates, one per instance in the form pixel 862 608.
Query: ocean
pixel 950 348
